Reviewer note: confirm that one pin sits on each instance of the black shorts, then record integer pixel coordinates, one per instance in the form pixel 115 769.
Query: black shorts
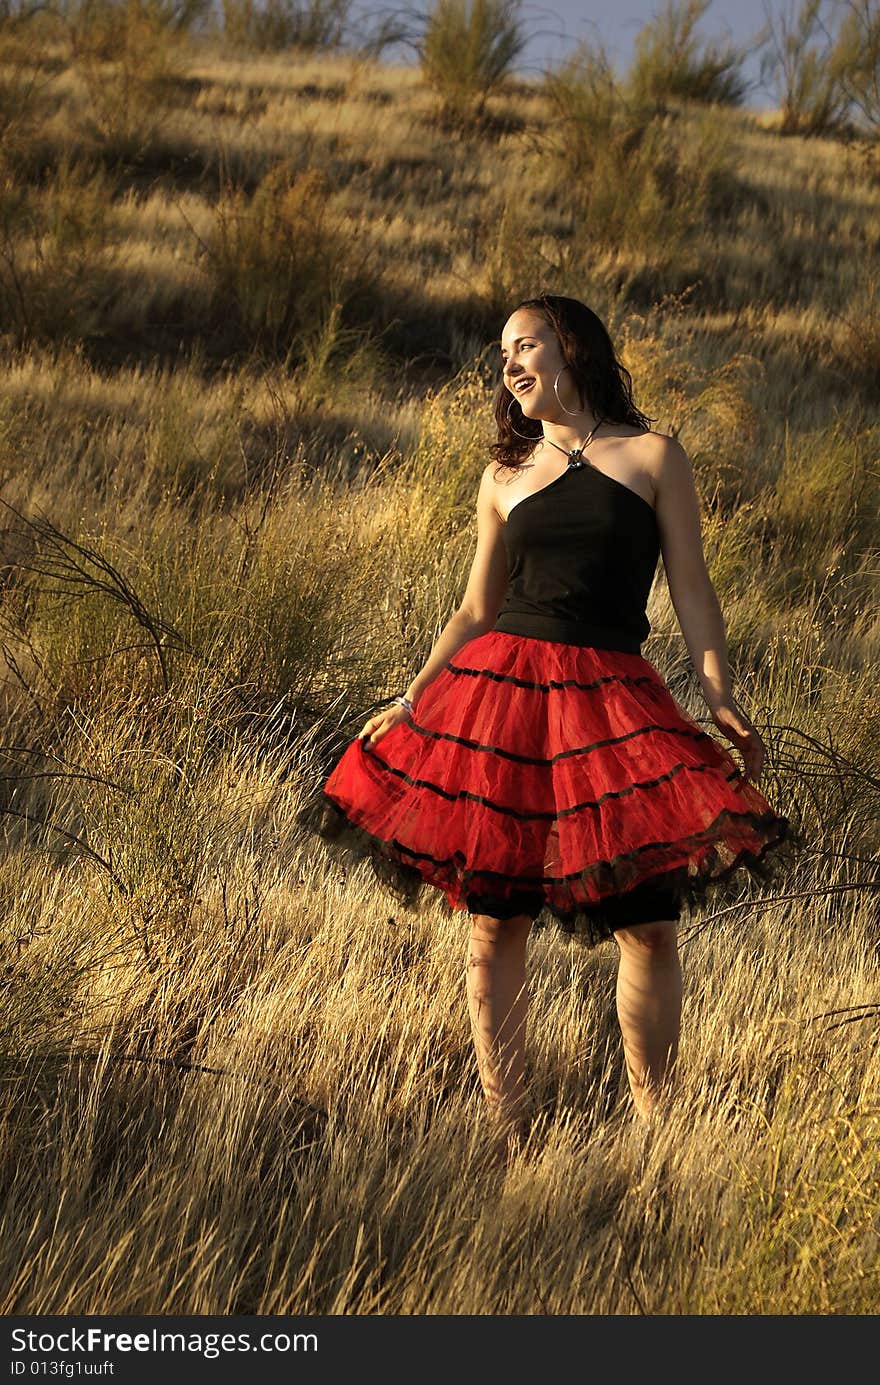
pixel 646 903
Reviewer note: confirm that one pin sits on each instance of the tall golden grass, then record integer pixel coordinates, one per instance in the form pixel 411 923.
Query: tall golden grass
pixel 235 1077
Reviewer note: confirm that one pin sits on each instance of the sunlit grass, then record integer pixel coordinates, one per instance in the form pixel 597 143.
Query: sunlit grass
pixel 236 1076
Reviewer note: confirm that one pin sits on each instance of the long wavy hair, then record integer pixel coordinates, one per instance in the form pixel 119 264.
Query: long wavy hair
pixel 600 378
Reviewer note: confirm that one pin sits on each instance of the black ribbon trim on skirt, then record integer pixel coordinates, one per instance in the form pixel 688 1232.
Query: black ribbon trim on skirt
pixel 555 813
pixel 563 754
pixel 632 679
pixel 391 862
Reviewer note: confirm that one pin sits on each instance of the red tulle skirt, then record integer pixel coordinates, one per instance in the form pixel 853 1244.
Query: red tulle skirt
pixel 558 771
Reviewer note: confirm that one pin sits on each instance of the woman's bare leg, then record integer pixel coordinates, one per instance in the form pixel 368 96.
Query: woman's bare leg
pixel 497 989
pixel 649 1008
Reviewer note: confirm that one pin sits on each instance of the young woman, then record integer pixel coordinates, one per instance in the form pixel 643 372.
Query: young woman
pixel 537 762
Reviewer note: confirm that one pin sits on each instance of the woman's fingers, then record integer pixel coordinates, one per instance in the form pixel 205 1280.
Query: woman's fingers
pixel 752 752
pixel 374 729
pixel 738 729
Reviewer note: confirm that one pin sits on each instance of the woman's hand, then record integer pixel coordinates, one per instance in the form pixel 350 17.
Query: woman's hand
pixel 377 726
pixel 736 726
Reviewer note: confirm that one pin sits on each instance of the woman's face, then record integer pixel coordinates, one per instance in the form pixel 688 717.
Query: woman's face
pixel 531 360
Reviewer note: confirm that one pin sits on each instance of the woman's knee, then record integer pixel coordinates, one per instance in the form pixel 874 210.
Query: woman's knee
pixel 490 932
pixel 658 938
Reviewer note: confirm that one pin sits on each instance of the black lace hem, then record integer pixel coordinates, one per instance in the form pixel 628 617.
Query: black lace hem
pixel 691 884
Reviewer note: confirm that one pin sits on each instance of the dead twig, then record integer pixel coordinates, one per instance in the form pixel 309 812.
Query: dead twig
pixel 83 570
pixel 765 901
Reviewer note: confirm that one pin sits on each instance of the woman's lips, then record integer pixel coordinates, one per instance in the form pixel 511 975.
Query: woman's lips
pixel 525 388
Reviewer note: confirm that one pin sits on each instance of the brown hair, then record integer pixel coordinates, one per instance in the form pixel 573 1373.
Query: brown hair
pixel 600 378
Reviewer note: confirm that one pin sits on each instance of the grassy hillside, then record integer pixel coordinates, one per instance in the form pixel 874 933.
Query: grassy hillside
pixel 249 314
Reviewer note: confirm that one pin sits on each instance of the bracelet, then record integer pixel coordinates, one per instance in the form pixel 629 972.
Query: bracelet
pixel 404 702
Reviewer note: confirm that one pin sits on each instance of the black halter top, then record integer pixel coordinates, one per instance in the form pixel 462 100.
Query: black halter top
pixel 582 554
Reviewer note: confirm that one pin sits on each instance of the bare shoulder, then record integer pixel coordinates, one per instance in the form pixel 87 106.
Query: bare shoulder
pixel 667 463
pixel 657 448
pixel 664 451
pixel 678 516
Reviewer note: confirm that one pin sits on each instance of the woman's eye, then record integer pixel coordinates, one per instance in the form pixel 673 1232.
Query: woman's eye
pixel 504 358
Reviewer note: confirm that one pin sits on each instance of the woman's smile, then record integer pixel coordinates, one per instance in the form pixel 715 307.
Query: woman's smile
pixel 523 386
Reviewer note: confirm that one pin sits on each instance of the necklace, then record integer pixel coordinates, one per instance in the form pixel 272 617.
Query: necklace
pixel 574 454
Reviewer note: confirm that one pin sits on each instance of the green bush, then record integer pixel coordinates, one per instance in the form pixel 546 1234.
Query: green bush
pixel 669 60
pixel 857 60
pixel 636 180
pixel 806 67
pixel 129 62
pixel 21 88
pixel 280 258
pixel 309 24
pixel 54 254
pixel 466 51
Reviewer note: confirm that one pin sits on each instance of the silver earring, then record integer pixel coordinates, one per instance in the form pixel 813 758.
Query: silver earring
pixel 529 438
pixel 556 392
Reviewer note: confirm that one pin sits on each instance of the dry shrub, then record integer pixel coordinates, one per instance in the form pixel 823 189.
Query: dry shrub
pixel 857 60
pixel 806 65
pixel 274 24
pixel 54 254
pixel 637 181
pixel 128 58
pixel 670 61
pixel 511 254
pixel 279 257
pixel 853 336
pixel 23 80
pixel 466 51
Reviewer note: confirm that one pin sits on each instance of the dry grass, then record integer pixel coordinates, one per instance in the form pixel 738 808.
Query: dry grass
pixel 277 1114
pixel 235 1078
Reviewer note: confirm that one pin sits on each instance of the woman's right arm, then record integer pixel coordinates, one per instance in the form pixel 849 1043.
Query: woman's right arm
pixel 476 612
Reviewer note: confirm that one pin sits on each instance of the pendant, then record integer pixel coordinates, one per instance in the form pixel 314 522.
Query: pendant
pixel 575 458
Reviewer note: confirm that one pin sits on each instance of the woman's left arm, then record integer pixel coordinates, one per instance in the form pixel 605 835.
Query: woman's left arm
pixel 694 598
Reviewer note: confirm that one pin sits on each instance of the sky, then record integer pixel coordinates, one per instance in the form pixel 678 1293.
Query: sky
pixel 558 25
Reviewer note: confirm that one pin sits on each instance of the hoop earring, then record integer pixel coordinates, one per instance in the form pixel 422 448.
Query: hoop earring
pixel 529 437
pixel 556 392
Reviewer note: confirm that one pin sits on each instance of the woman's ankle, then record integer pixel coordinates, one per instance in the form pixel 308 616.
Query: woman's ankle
pixel 506 1140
